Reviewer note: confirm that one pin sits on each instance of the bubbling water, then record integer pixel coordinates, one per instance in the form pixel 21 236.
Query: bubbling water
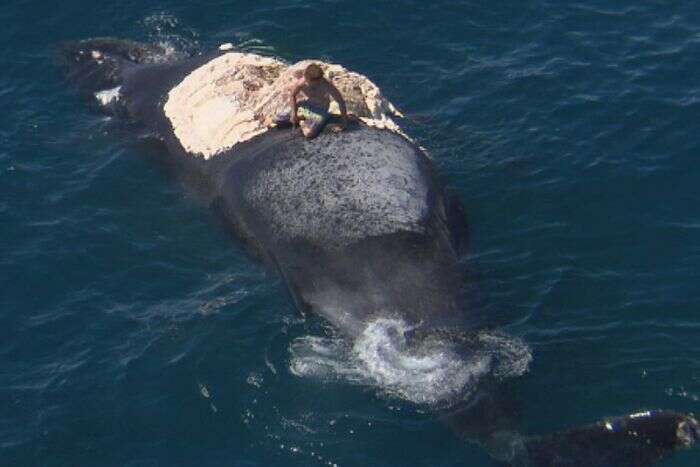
pixel 434 372
pixel 175 40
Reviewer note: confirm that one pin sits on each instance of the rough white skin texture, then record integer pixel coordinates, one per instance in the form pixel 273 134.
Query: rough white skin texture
pixel 235 96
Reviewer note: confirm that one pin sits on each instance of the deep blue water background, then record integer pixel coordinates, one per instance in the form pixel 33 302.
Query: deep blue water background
pixel 135 332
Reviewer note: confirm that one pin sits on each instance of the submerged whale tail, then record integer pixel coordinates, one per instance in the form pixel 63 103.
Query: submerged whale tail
pixel 100 64
pixel 635 440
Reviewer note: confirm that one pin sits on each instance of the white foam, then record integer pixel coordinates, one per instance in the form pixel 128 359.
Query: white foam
pixel 425 376
pixel 108 96
pixel 511 356
pixel 176 40
pixel 433 373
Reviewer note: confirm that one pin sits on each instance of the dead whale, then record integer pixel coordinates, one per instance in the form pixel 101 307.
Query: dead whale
pixel 362 232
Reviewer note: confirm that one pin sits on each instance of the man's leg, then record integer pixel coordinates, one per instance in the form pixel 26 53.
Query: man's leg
pixel 312 127
pixel 281 120
pixel 305 127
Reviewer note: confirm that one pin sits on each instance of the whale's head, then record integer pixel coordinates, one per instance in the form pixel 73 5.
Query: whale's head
pixel 666 430
pixel 687 432
pixel 641 438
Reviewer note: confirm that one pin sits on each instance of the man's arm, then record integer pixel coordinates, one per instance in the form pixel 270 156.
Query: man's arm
pixel 335 94
pixel 293 117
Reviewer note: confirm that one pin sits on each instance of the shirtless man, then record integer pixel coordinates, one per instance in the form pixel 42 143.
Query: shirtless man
pixel 313 111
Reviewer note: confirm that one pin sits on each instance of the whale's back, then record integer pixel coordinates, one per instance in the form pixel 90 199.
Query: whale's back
pixel 342 189
pixel 355 222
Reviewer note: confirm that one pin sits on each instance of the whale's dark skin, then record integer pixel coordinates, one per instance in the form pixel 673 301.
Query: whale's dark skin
pixel 402 263
pixel 359 227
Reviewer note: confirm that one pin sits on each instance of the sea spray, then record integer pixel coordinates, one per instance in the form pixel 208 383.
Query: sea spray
pixel 433 372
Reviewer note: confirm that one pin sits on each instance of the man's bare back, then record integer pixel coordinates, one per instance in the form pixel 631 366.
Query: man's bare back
pixel 318 92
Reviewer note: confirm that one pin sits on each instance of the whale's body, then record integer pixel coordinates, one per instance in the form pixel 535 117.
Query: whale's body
pixel 361 230
pixel 357 223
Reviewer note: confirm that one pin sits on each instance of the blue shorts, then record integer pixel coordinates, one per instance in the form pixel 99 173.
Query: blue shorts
pixel 315 117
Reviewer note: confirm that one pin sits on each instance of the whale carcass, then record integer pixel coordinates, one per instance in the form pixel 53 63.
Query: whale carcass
pixel 362 231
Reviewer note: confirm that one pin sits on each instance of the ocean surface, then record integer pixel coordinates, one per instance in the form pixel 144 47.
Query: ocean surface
pixel 134 331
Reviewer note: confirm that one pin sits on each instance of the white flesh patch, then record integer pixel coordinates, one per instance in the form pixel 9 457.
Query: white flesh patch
pixel 235 97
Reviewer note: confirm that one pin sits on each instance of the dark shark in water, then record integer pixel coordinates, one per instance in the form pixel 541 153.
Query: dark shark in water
pixel 361 229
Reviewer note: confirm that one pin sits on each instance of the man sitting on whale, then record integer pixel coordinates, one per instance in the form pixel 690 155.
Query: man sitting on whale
pixel 313 111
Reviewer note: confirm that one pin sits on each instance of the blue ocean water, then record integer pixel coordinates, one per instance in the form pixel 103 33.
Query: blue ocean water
pixel 135 332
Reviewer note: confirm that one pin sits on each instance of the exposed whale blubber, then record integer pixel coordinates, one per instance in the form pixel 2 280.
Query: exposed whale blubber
pixel 362 232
